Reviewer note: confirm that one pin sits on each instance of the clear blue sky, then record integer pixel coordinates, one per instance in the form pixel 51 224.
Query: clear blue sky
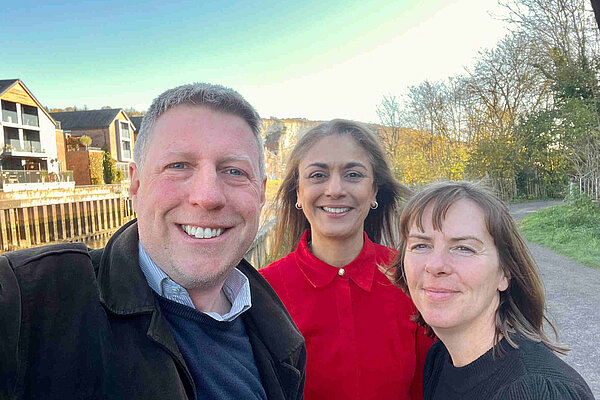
pixel 317 60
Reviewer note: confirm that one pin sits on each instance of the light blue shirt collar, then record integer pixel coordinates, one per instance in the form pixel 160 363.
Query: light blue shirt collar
pixel 236 288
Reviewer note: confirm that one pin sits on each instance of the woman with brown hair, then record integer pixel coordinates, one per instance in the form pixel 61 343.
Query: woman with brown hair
pixel 467 269
pixel 336 205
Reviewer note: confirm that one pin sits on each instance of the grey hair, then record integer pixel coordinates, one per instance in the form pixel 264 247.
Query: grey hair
pixel 214 97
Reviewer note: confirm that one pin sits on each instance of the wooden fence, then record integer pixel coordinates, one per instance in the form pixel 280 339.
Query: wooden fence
pixel 590 184
pixel 33 218
pixel 258 254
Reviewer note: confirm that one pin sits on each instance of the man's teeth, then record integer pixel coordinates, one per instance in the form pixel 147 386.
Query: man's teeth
pixel 202 233
pixel 336 210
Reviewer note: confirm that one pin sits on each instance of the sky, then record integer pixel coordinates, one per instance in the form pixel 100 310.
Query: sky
pixel 291 59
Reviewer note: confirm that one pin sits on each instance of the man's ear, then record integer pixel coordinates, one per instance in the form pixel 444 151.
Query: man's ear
pixel 134 174
pixel 263 193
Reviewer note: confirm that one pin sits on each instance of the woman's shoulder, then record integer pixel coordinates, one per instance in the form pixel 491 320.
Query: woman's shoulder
pixel 545 387
pixel 384 251
pixel 274 269
pixel 544 376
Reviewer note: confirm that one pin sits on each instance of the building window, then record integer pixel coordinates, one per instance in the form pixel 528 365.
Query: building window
pixel 124 167
pixel 30 115
pixel 9 112
pixel 31 141
pixel 126 152
pixel 11 139
pixel 125 130
pixel 125 133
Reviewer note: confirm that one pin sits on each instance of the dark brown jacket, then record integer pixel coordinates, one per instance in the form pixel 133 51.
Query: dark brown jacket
pixel 71 328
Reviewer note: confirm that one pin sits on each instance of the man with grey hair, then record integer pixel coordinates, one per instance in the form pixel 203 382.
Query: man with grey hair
pixel 168 309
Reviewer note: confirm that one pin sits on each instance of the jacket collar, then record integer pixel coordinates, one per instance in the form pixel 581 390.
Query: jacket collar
pixel 123 287
pixel 361 270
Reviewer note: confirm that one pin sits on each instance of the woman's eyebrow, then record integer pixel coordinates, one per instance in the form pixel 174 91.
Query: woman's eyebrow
pixel 353 164
pixel 418 236
pixel 462 238
pixel 317 164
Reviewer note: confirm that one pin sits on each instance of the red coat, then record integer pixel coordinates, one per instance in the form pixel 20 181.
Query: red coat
pixel 360 341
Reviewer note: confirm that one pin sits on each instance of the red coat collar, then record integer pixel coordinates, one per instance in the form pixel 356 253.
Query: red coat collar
pixel 361 270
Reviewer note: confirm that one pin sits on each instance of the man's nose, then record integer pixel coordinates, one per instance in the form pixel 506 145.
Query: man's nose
pixel 206 189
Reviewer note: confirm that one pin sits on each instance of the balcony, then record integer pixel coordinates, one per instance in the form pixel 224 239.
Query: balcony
pixel 9 116
pixel 11 180
pixel 30 115
pixel 30 147
pixel 31 120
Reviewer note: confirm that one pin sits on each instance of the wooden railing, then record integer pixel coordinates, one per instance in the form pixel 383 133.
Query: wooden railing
pixel 258 254
pixel 33 218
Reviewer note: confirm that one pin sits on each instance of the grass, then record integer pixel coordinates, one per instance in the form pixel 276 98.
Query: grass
pixel 572 229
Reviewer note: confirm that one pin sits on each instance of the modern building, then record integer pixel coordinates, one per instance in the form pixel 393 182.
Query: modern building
pixel 32 149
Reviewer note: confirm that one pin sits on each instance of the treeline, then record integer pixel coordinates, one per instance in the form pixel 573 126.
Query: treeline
pixel 131 112
pixel 526 115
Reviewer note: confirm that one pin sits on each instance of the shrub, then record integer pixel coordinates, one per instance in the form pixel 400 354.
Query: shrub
pixel 85 140
pixel 110 171
pixel 582 210
pixel 96 175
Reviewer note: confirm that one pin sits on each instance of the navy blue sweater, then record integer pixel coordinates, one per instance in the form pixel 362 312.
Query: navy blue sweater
pixel 217 353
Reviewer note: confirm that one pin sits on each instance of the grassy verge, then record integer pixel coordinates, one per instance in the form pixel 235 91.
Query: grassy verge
pixel 572 230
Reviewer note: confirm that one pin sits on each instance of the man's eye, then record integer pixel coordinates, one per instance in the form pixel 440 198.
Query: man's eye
pixel 234 172
pixel 176 165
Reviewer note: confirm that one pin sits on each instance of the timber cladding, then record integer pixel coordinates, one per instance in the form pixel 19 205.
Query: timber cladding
pixel 18 94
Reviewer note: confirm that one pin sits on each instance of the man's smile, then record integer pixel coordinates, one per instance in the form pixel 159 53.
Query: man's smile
pixel 202 233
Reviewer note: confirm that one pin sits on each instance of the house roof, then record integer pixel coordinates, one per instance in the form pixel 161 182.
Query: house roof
pixel 137 122
pixel 6 84
pixel 88 119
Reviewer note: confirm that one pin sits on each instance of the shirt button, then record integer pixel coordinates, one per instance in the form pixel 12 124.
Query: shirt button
pixel 341 272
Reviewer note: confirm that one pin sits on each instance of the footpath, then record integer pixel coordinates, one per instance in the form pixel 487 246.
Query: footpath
pixel 573 302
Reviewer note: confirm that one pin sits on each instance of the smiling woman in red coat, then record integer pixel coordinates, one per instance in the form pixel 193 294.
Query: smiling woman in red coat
pixel 335 205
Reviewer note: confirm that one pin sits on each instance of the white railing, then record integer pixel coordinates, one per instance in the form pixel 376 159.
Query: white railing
pixel 590 184
pixel 17 180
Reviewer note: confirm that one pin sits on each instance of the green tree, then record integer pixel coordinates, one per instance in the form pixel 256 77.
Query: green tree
pixel 86 141
pixel 109 168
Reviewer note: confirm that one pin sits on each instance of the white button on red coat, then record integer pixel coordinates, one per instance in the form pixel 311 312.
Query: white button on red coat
pixel 341 272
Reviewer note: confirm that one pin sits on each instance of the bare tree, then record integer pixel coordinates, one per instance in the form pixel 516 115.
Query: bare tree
pixel 390 132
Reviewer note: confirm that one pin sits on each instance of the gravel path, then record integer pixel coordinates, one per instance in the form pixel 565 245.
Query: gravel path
pixel 573 302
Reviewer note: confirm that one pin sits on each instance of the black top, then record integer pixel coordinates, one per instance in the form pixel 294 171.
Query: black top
pixel 530 372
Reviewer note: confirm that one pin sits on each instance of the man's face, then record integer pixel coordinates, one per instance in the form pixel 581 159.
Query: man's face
pixel 198 195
